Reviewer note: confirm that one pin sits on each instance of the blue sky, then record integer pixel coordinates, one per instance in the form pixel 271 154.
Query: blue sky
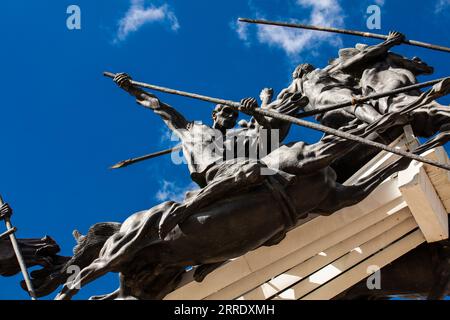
pixel 63 124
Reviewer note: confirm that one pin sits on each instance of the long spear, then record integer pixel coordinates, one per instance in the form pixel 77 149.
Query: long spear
pixel 293 120
pixel 357 101
pixel 343 31
pixel 126 163
pixel 10 232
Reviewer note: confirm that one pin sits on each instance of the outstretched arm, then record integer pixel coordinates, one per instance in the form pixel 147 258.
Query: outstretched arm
pixel 369 54
pixel 173 119
pixel 250 104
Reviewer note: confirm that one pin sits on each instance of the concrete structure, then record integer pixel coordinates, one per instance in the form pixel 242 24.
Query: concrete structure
pixel 324 256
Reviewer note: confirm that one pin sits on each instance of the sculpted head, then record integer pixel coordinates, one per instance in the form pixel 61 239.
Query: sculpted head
pixel 420 67
pixel 302 70
pixel 224 117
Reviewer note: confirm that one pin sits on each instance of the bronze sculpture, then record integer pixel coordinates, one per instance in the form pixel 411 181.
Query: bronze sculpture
pixel 149 236
pixel 238 209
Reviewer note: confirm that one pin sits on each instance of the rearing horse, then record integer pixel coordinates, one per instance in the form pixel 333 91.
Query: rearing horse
pixel 232 226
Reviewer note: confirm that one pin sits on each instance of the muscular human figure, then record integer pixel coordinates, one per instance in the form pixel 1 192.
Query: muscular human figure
pixel 232 221
pixel 236 211
pixel 234 224
pixel 207 148
pixel 202 144
pixel 395 72
pixel 337 83
pixel 370 70
pixel 331 85
pixel 381 70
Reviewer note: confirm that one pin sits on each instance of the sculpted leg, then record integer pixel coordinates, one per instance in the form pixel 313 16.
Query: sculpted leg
pixel 344 196
pixel 95 270
pixel 428 116
pixel 111 296
pixel 427 121
pixel 86 251
pixel 367 113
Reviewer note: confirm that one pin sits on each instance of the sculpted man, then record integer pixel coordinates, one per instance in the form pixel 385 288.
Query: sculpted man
pixel 378 70
pixel 332 85
pixel 153 247
pixel 206 149
pixel 381 70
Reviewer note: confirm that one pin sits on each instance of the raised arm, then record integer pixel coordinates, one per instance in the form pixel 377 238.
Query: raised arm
pixel 5 211
pixel 250 104
pixel 266 96
pixel 369 55
pixel 173 119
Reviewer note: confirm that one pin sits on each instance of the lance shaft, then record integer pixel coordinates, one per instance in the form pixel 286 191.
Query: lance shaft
pixel 19 257
pixel 287 118
pixel 358 101
pixel 233 104
pixel 343 31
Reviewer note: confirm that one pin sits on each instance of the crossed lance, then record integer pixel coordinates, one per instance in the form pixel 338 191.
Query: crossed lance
pixel 293 120
pixel 297 120
pixel 10 230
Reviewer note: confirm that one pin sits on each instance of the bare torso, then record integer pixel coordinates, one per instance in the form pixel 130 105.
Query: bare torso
pixel 323 88
pixel 388 75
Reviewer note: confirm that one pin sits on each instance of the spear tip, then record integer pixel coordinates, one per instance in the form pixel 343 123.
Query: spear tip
pixel 119 165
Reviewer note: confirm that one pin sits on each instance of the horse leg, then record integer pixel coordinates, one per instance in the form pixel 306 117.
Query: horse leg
pixel 427 121
pixel 150 282
pixel 94 271
pixel 111 296
pixel 345 196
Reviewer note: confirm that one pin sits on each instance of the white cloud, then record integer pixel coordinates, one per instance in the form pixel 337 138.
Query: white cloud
pixel 138 15
pixel 296 41
pixel 241 30
pixel 167 137
pixel 441 5
pixel 171 191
